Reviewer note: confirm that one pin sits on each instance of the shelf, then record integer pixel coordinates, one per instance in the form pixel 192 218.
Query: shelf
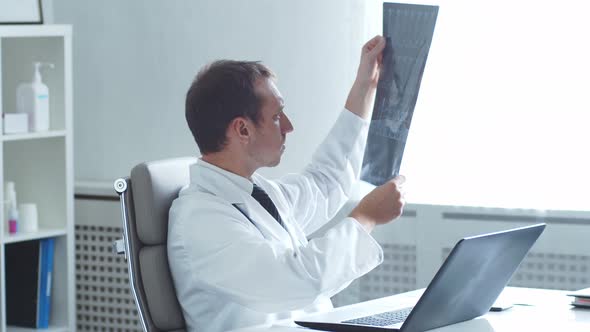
pixel 37 135
pixel 41 163
pixel 25 329
pixel 43 233
pixel 41 30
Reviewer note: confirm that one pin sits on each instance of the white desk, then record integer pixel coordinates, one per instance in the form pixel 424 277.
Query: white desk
pixel 535 310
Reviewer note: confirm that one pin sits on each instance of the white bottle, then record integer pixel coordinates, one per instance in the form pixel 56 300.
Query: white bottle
pixel 10 198
pixel 33 99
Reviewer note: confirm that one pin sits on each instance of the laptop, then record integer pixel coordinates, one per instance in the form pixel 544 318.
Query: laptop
pixel 466 286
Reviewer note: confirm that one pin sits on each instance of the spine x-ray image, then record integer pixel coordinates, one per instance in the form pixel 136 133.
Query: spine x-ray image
pixel 408 30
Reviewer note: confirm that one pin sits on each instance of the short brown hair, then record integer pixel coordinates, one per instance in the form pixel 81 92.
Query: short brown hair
pixel 222 91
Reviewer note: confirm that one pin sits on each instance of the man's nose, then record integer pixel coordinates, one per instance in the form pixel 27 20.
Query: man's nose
pixel 286 124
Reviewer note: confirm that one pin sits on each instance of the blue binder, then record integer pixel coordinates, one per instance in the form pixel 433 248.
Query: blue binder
pixel 47 253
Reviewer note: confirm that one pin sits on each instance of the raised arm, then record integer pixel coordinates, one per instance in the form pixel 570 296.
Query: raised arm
pixel 362 93
pixel 336 164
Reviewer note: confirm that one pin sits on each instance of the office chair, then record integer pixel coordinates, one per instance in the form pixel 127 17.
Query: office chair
pixel 145 199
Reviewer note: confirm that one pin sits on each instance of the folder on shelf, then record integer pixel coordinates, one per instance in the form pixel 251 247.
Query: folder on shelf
pixel 47 249
pixel 581 298
pixel 29 265
pixel 45 296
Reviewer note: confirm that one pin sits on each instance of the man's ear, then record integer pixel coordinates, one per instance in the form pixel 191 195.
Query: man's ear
pixel 241 129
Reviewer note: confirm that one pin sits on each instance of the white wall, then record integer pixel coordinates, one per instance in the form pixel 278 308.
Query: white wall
pixel 134 60
pixel 502 110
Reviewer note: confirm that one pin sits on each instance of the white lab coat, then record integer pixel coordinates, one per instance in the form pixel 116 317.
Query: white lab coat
pixel 231 272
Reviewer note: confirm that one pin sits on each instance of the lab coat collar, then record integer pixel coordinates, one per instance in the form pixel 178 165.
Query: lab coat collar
pixel 232 187
pixel 237 191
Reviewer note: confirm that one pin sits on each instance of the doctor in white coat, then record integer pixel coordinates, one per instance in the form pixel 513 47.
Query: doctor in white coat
pixel 240 258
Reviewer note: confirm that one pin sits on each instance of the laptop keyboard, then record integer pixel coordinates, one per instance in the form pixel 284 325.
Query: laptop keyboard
pixel 382 319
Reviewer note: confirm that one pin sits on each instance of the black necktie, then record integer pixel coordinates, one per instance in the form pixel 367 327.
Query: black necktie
pixel 262 197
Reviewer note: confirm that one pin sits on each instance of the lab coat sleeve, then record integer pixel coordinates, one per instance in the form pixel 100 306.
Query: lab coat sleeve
pixel 319 192
pixel 225 254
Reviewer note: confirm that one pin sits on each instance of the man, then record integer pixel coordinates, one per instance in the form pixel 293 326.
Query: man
pixel 237 242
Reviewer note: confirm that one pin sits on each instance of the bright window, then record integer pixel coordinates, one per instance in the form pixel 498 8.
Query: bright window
pixel 503 115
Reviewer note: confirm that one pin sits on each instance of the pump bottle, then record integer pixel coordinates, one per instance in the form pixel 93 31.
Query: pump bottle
pixel 33 99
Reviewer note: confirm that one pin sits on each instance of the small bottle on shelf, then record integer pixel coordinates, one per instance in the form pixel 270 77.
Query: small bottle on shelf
pixel 10 194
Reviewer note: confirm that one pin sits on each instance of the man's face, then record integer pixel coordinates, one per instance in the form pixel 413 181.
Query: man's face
pixel 268 139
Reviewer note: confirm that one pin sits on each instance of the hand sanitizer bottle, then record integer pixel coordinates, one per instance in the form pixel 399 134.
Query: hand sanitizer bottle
pixel 33 99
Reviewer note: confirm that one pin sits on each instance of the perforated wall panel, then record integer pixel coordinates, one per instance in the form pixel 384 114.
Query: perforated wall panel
pixel 397 274
pixel 553 271
pixel 549 271
pixel 103 296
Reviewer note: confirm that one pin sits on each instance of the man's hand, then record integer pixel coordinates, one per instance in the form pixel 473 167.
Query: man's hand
pixel 371 57
pixel 382 205
pixel 360 98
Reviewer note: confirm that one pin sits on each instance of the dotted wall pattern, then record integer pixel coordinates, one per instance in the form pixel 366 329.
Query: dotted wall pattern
pixel 549 271
pixel 553 271
pixel 104 301
pixel 397 274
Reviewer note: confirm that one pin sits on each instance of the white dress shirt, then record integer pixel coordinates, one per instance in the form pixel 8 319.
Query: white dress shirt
pixel 234 265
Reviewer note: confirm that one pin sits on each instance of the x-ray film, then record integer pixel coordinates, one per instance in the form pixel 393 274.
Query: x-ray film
pixel 408 30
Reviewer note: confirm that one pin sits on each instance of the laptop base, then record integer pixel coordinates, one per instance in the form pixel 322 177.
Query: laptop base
pixel 339 327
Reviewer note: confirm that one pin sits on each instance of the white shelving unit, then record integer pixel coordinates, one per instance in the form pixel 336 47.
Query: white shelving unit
pixel 41 163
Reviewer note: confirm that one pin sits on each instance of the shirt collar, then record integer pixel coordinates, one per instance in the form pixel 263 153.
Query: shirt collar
pixel 220 182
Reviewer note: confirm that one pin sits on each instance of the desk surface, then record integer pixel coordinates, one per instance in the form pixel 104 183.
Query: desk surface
pixel 534 310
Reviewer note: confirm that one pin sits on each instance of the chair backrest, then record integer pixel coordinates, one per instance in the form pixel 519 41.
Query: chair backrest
pixel 145 202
